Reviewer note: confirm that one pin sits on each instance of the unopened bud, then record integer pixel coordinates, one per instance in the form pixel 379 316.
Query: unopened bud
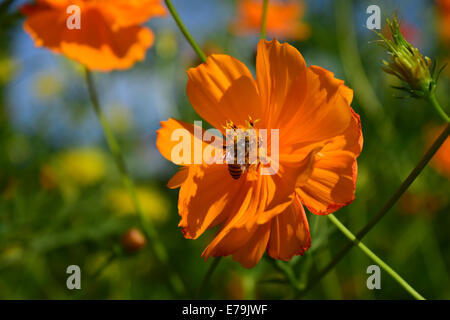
pixel 133 241
pixel 407 63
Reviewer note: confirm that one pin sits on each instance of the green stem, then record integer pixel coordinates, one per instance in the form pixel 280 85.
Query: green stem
pixel 375 258
pixel 351 60
pixel 352 64
pixel 408 181
pixel 433 101
pixel 111 140
pixel 287 272
pixel 202 56
pixel 208 275
pixel 264 19
pixel 112 256
pixel 184 31
pixel 389 204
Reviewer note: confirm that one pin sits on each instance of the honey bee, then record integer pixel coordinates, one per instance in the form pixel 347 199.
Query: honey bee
pixel 241 142
pixel 236 169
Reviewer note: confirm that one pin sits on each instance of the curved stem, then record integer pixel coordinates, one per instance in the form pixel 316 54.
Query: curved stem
pixel 202 56
pixel 433 101
pixel 288 273
pixel 375 258
pixel 408 181
pixel 264 19
pixel 354 70
pixel 208 275
pixel 389 204
pixel 351 59
pixel 184 31
pixel 113 255
pixel 111 140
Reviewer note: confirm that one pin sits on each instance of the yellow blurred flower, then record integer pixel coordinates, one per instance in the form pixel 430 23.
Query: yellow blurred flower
pixel 154 205
pixel 12 253
pixel 120 117
pixel 74 168
pixel 47 85
pixel 8 67
pixel 166 44
pixel 83 166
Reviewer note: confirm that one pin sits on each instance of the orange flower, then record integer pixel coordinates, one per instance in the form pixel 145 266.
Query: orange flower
pixel 444 26
pixel 110 36
pixel 319 141
pixel 283 19
pixel 441 160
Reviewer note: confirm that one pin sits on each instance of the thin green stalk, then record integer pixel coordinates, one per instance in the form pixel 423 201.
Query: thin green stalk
pixel 264 19
pixel 375 258
pixel 408 181
pixel 354 70
pixel 207 277
pixel 433 101
pixel 351 60
pixel 202 56
pixel 111 140
pixel 112 256
pixel 389 204
pixel 287 272
pixel 331 286
pixel 184 31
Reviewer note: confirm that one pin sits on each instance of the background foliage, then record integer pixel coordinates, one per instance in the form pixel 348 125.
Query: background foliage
pixel 61 200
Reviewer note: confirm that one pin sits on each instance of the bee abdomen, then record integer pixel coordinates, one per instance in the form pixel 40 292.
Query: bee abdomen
pixel 235 170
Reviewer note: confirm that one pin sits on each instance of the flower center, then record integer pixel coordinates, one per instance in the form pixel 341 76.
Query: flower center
pixel 243 148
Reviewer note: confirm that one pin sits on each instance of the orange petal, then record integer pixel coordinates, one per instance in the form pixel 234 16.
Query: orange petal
pixel 168 138
pixel 178 178
pixel 332 183
pixel 223 89
pixel 99 44
pixel 251 252
pixel 281 77
pixel 289 234
pixel 283 19
pixel 126 13
pixel 441 160
pixel 246 246
pixel 208 196
pixel 325 112
pixel 281 186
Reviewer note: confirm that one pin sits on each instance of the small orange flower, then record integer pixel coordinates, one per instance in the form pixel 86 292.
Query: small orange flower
pixel 319 140
pixel 441 160
pixel 110 36
pixel 283 19
pixel 444 25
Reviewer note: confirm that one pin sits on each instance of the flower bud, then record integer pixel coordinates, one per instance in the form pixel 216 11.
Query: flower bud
pixel 407 63
pixel 133 241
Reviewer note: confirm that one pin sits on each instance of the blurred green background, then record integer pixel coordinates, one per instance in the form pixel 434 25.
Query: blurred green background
pixel 61 200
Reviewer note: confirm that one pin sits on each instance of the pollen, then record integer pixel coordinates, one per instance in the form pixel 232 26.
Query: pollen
pixel 243 144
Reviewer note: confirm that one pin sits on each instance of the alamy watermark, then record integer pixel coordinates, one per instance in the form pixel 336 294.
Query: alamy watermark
pixel 74 280
pixel 74 19
pixel 374 281
pixel 242 147
pixel 374 20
